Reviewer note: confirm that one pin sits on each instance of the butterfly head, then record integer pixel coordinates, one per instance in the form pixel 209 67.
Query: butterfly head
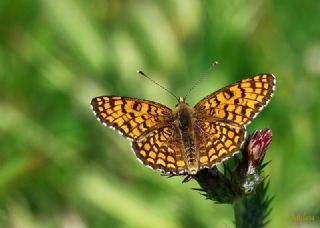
pixel 182 102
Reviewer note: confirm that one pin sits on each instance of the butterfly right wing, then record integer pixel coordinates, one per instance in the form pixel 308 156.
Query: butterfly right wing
pixel 239 102
pixel 221 117
pixel 133 118
pixel 217 141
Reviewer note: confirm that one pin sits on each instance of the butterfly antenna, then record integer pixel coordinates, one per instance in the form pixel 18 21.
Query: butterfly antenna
pixel 200 79
pixel 143 74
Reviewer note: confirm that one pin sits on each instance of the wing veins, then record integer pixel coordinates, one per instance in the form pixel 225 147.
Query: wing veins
pixel 112 124
pixel 151 129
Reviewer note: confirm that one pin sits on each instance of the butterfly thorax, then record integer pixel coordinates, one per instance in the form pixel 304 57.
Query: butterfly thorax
pixel 184 123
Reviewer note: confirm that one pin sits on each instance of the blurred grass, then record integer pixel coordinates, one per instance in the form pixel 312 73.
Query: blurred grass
pixel 60 168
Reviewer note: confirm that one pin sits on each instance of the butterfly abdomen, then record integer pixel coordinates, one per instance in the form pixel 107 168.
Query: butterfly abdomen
pixel 185 125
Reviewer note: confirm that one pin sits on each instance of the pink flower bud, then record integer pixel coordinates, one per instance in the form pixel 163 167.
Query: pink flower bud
pixel 257 144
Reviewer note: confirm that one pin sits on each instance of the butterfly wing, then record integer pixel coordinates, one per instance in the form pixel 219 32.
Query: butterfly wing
pixel 133 118
pixel 221 117
pixel 217 141
pixel 155 139
pixel 162 149
pixel 239 102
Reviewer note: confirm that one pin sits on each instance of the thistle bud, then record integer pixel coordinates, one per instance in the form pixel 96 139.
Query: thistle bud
pixel 257 145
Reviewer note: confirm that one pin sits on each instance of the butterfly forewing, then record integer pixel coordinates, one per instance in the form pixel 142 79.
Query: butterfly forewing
pixel 133 118
pixel 239 102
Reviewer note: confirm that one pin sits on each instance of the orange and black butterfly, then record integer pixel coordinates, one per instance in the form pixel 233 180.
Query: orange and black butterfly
pixel 186 139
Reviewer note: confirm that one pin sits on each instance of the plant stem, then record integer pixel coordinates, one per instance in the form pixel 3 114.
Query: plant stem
pixel 252 210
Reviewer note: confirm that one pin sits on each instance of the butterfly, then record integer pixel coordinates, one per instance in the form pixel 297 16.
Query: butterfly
pixel 186 139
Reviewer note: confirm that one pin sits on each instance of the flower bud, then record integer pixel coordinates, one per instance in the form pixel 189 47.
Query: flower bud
pixel 257 145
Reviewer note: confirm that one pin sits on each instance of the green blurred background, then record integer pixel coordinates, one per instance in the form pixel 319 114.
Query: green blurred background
pixel 59 167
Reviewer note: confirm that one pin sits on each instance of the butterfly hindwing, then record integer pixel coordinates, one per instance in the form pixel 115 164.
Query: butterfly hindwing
pixel 162 149
pixel 131 117
pixel 217 141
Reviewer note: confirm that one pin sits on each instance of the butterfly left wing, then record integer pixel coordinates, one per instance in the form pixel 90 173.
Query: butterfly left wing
pixel 239 102
pixel 162 149
pixel 133 118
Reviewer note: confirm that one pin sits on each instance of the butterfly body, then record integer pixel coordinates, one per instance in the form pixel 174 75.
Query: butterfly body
pixel 184 122
pixel 186 139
